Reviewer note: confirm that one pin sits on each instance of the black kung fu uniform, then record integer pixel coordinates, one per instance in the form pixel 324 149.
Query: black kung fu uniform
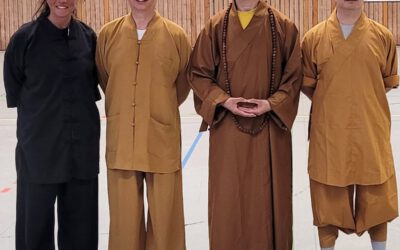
pixel 50 76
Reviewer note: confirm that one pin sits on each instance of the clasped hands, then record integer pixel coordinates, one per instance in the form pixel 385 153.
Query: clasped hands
pixel 247 107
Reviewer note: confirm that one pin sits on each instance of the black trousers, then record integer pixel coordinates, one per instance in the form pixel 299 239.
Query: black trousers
pixel 77 211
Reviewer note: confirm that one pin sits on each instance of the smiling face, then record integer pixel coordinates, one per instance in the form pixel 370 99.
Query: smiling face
pixel 142 5
pixel 349 4
pixel 61 9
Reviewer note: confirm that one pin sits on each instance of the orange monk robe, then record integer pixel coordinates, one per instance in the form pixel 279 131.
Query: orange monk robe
pixel 350 122
pixel 143 122
pixel 144 82
pixel 350 156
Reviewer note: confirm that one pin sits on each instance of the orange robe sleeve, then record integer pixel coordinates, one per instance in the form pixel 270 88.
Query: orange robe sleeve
pixel 182 84
pixel 202 72
pixel 390 74
pixel 310 75
pixel 284 101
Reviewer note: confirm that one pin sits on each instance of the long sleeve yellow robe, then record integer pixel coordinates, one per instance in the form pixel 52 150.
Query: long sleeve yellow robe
pixel 143 123
pixel 350 121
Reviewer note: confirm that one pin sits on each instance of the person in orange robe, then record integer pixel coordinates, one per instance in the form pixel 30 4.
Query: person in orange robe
pixel 141 59
pixel 349 64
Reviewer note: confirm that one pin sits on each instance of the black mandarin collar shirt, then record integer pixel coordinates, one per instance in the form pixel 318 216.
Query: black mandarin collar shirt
pixel 50 76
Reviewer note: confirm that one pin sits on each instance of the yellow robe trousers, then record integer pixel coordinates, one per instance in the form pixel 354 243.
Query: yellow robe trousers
pixel 350 150
pixel 144 83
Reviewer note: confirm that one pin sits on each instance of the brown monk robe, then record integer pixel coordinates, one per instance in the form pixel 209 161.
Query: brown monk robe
pixel 352 176
pixel 250 164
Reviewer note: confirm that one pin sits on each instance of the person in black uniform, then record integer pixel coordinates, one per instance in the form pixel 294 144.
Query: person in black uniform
pixel 50 77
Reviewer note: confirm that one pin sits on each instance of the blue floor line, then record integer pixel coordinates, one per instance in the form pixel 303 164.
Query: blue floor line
pixel 191 149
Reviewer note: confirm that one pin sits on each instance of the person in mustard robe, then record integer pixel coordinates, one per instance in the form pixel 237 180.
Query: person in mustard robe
pixel 349 64
pixel 141 59
pixel 245 71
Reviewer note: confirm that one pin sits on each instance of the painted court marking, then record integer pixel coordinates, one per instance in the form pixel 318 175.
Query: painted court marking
pixel 191 149
pixel 5 190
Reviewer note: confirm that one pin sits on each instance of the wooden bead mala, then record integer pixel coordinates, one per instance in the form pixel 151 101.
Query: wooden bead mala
pixel 273 66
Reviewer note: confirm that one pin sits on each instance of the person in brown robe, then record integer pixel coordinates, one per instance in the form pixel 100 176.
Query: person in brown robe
pixel 246 83
pixel 350 63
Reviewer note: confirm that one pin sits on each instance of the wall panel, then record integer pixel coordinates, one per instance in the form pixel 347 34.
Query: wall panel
pixel 192 15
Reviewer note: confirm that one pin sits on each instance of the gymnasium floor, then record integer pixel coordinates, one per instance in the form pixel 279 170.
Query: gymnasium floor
pixel 195 174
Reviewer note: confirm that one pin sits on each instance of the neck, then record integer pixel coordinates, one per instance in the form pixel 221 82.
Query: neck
pixel 346 16
pixel 142 19
pixel 243 5
pixel 60 23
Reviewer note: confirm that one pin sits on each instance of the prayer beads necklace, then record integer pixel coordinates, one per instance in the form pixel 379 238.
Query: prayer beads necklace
pixel 273 64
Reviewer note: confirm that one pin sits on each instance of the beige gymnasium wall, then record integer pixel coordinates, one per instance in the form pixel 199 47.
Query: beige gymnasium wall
pixel 192 14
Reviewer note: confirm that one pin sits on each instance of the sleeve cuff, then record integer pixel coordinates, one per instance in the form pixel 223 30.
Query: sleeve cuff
pixel 11 102
pixel 391 81
pixel 309 81
pixel 210 104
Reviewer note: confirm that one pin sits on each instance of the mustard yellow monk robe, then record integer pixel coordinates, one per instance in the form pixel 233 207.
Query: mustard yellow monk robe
pixel 350 155
pixel 143 123
pixel 350 125
pixel 142 72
